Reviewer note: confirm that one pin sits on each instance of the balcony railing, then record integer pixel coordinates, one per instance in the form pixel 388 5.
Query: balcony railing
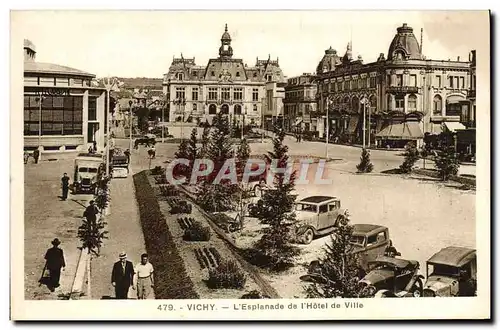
pixel 402 89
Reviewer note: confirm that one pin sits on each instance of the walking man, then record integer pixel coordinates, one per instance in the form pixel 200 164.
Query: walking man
pixel 54 262
pixel 65 186
pixel 122 276
pixel 91 212
pixel 36 155
pixel 145 281
pixel 127 154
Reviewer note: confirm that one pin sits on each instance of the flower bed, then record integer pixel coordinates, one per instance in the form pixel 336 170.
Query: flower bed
pixel 171 279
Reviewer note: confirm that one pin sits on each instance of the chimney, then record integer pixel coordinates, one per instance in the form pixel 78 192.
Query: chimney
pixel 458 58
pixel 29 51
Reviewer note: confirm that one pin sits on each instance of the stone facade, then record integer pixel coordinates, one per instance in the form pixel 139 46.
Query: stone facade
pixel 406 87
pixel 300 104
pixel 226 84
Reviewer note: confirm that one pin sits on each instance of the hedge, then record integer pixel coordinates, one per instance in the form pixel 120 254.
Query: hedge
pixel 171 279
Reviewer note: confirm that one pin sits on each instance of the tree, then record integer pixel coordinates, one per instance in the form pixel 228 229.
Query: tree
pixel 205 140
pixel 91 233
pixel 217 197
pixel 365 165
pixel 411 157
pixel 142 114
pixel 192 149
pixel 338 270
pixel 182 153
pixel 275 248
pixel 242 156
pixel 447 162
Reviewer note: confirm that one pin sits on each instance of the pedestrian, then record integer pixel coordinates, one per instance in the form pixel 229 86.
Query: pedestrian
pixel 36 155
pixel 122 276
pixel 26 156
pixel 153 151
pixel 94 144
pixel 65 186
pixel 91 212
pixel 145 282
pixel 91 150
pixel 54 263
pixel 127 154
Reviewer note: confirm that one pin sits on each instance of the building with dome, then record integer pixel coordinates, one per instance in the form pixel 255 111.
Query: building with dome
pixel 63 111
pixel 225 84
pixel 403 96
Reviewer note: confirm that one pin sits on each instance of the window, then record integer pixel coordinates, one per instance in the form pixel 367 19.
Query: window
pixel 381 237
pixel 47 81
pixel 346 85
pixel 237 74
pixel 237 109
pixel 371 240
pixel 332 206
pixel 457 86
pixel 62 81
pixel 238 93
pixel 194 94
pixel 61 115
pixel 339 86
pixel 212 93
pixel 255 107
pixel 255 74
pixel 195 74
pixel 255 94
pixel 438 81
pixel 399 80
pixel 412 103
pixel 438 104
pixel 269 77
pixel 413 80
pixel 195 107
pixel 400 102
pixel 92 114
pixel 226 95
pixel 462 82
pixel 180 76
pixel 180 93
pixel 373 82
pixel 212 109
pixel 323 208
pixel 212 73
pixel 450 81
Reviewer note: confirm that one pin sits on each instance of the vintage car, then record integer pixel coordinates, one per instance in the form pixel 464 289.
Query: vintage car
pixel 369 241
pixel 87 170
pixel 119 166
pixel 451 272
pixel 317 215
pixel 147 140
pixel 392 277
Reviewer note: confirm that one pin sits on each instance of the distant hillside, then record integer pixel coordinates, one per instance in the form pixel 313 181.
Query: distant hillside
pixel 142 82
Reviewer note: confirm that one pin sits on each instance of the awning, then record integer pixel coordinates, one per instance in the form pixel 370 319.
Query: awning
pixel 353 123
pixel 453 126
pixel 298 121
pixel 403 131
pixel 435 128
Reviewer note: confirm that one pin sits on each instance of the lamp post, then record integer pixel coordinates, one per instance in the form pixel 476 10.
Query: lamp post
pixel 369 124
pixel 40 123
pixel 130 123
pixel 327 125
pixel 162 104
pixel 109 83
pixel 364 101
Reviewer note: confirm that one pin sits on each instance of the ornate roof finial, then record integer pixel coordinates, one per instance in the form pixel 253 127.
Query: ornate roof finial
pixel 225 29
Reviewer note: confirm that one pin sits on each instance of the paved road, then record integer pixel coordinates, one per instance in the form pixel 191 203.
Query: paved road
pixel 47 217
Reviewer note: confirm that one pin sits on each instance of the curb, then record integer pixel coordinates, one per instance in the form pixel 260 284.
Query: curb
pixel 81 271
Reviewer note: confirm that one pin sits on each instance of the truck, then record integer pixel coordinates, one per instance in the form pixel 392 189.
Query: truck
pixel 88 168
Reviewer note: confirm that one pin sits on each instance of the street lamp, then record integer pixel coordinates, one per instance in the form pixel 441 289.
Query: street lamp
pixel 162 104
pixel 109 83
pixel 41 97
pixel 328 100
pixel 364 101
pixel 181 102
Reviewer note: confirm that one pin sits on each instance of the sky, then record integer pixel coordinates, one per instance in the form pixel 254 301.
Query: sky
pixel 143 43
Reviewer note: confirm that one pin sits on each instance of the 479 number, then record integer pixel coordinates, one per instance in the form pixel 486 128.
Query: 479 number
pixel 166 307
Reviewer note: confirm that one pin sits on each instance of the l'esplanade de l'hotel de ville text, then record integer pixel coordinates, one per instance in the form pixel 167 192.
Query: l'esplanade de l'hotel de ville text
pixel 400 97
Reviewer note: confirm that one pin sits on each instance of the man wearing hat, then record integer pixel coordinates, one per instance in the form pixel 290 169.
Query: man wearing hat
pixel 122 277
pixel 91 212
pixel 54 262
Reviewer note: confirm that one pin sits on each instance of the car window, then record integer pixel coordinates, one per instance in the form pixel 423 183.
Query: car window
pixel 323 208
pixel 357 240
pixel 371 240
pixel 332 206
pixel 305 207
pixel 83 169
pixel 381 237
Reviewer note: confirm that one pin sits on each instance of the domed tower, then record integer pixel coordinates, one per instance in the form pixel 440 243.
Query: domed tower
pixel 225 50
pixel 329 61
pixel 404 46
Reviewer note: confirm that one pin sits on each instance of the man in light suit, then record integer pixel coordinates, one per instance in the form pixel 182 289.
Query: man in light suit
pixel 122 276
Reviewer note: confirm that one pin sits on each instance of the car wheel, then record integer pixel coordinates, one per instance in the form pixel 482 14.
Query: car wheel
pixel 418 289
pixel 308 236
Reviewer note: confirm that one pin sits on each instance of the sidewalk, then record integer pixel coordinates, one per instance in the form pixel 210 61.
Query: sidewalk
pixel 125 234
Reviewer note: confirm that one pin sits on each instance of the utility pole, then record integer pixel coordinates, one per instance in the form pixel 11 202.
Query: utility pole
pixel 369 124
pixel 327 125
pixel 130 123
pixel 363 100
pixel 108 84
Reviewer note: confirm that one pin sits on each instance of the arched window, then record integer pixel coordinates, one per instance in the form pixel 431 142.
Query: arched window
pixel 212 109
pixel 355 104
pixel 255 107
pixel 373 103
pixel 437 104
pixel 237 109
pixel 224 109
pixel 412 102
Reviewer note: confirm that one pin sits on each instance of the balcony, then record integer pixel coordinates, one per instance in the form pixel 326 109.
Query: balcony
pixel 402 89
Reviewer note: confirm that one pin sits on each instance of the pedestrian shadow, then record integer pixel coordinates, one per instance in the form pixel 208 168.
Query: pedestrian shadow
pixel 78 202
pixel 107 298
